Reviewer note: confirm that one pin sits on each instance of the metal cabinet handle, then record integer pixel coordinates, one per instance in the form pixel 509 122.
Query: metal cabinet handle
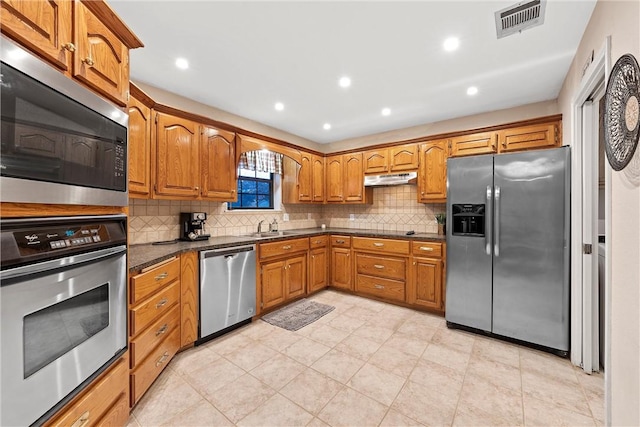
pixel 378 266
pixel 426 248
pixel 317 242
pixel 69 46
pixel 378 245
pixel 82 421
pixel 340 241
pixel 162 330
pixel 161 276
pixel 287 247
pixel 88 61
pixel 496 232
pixel 162 358
pixel 378 286
pixel 162 302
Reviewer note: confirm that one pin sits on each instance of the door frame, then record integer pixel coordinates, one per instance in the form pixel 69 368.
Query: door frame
pixel 581 291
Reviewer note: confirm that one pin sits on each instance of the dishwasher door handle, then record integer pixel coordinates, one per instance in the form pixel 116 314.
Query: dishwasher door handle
pixel 230 251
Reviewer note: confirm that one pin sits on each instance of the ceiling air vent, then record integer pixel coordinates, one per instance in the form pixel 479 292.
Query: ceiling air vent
pixel 520 16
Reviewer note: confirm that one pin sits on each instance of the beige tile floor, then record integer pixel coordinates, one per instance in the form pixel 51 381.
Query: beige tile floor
pixel 368 363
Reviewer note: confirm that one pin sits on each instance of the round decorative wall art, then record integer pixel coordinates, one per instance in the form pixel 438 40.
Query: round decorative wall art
pixel 622 112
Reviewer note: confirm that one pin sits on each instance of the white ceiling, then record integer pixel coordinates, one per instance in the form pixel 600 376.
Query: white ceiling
pixel 246 56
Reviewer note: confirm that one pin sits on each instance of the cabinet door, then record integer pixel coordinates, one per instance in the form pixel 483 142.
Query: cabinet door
pixel 44 26
pixel 318 278
pixel 376 161
pixel 273 284
pixel 296 276
pixel 353 178
pixel 341 270
pixel 305 178
pixel 189 293
pixel 335 179
pixel 218 150
pixel 432 174
pixel 528 137
pixel 317 192
pixel 477 143
pixel 403 158
pixel 101 59
pixel 139 148
pixel 177 162
pixel 426 289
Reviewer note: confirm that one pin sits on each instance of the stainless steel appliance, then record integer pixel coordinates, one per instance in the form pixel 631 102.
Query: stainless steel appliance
pixel 508 246
pixel 227 289
pixel 193 226
pixel 61 143
pixel 63 299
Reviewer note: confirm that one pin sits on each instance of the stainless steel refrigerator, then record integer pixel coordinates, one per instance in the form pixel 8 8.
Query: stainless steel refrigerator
pixel 508 245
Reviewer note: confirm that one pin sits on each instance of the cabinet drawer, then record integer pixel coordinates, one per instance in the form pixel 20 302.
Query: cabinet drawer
pixel 427 249
pixel 99 398
pixel 318 241
pixel 143 376
pixel 391 268
pixel 382 288
pixel 381 245
pixel 147 283
pixel 341 241
pixel 152 336
pixel 154 307
pixel 283 247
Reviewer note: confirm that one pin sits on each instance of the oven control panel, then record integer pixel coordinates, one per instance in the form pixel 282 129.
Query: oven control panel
pixel 38 241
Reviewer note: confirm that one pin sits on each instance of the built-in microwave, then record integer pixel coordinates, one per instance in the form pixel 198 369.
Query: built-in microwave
pixel 61 143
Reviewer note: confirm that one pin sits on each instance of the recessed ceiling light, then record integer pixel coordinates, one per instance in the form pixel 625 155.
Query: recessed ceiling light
pixel 326 126
pixel 344 81
pixel 472 90
pixel 182 63
pixel 386 111
pixel 279 106
pixel 451 44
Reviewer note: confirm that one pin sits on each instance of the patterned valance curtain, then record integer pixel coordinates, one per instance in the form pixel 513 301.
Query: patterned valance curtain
pixel 261 161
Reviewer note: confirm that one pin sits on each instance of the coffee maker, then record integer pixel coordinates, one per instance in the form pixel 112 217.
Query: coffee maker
pixel 193 226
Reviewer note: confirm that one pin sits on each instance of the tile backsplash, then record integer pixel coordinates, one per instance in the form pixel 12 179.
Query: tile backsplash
pixel 393 209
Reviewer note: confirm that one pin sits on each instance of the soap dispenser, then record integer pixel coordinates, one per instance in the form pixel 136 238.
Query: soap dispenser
pixel 274 225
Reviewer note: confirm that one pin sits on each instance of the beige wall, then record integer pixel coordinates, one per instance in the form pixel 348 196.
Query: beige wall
pixel 170 99
pixel 620 20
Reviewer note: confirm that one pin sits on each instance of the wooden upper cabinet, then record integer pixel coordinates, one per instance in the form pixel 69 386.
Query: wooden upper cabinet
pixel 403 158
pixel 477 143
pixel 218 154
pixel 353 178
pixel 335 179
pixel 317 175
pixel 432 174
pixel 44 26
pixel 529 137
pixel 376 161
pixel 176 158
pixel 305 178
pixel 139 148
pixel 101 59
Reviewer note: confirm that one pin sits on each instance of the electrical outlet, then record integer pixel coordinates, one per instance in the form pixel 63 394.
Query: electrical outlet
pixel 352 217
pixel 285 217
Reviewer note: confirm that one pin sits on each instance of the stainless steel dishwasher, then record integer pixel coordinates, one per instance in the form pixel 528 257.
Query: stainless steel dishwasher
pixel 227 289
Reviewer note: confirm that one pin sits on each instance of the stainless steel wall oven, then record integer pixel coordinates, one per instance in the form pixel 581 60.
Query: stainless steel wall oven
pixel 60 142
pixel 63 299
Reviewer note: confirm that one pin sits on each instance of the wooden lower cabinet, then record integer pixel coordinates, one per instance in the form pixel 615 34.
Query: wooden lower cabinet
pixel 426 283
pixel 318 269
pixel 104 402
pixel 189 293
pixel 341 268
pixel 295 278
pixel 283 280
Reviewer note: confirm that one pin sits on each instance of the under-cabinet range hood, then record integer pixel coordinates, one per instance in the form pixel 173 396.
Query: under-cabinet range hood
pixel 390 179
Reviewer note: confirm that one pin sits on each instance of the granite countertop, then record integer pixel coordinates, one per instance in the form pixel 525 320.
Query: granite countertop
pixel 145 255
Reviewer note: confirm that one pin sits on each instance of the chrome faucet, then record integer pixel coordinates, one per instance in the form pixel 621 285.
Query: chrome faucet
pixel 260 226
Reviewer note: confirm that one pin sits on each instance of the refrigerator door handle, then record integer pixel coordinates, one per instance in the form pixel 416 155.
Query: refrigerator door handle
pixel 496 249
pixel 489 221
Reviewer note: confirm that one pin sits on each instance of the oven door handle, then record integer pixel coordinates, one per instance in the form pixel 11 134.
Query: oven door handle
pixel 66 262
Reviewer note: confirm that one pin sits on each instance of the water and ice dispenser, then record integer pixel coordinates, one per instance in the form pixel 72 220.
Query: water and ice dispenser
pixel 468 220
